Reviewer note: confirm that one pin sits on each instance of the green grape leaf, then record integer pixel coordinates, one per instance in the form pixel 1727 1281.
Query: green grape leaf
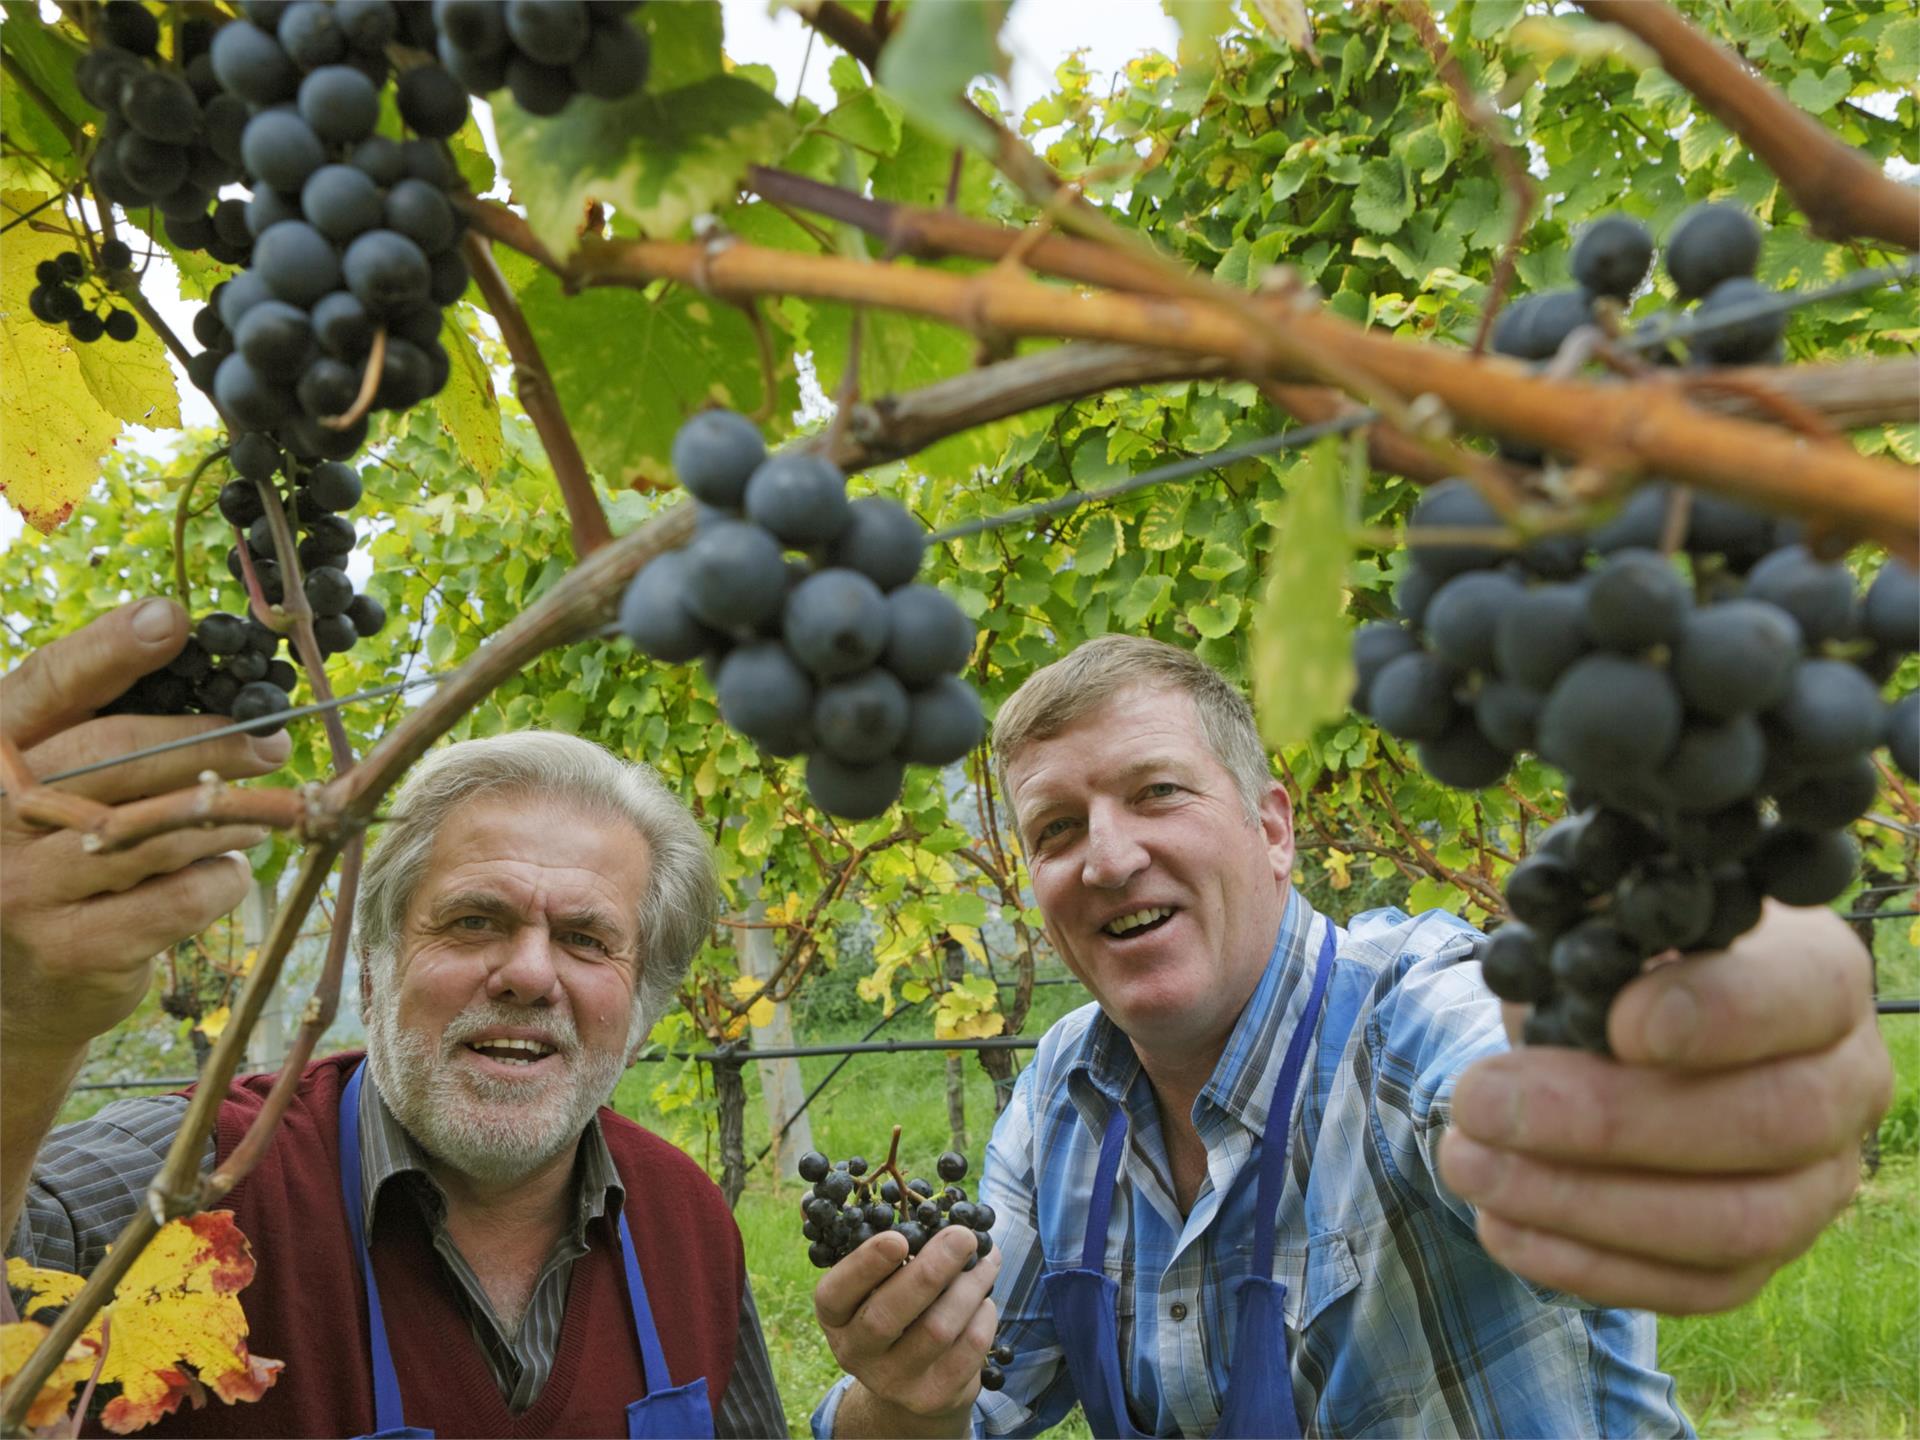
pixel 658 159
pixel 935 55
pixel 1384 199
pixel 679 352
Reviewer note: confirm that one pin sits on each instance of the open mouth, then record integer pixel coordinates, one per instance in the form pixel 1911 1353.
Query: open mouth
pixel 1138 922
pixel 518 1054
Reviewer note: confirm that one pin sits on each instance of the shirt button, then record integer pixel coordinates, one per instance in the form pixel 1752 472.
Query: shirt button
pixel 1179 1310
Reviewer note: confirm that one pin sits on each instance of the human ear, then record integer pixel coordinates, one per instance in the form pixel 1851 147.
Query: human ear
pixel 1276 823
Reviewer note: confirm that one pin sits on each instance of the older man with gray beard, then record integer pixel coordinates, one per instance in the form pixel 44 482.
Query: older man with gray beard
pixel 453 1237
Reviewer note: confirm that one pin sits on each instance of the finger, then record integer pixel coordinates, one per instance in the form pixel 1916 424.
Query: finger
pixel 1568 1105
pixel 233 757
pixel 845 1288
pixel 129 927
pixel 1713 1222
pixel 1797 982
pixel 907 1295
pixel 1608 1278
pixel 60 871
pixel 943 1324
pixel 954 1376
pixel 65 682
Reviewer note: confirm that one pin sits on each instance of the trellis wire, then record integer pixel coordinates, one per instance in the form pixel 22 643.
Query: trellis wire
pixel 1899 1005
pixel 246 726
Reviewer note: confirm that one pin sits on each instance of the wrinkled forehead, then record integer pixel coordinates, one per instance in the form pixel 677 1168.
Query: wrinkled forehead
pixel 1138 728
pixel 525 845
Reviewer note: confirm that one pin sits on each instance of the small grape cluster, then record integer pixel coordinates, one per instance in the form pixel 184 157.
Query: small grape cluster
pixel 1716 721
pixel 848 1206
pixel 230 667
pixel 543 52
pixel 838 655
pixel 56 299
pixel 171 139
pixel 1710 257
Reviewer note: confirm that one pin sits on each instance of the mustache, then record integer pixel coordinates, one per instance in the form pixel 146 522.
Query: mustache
pixel 474 1022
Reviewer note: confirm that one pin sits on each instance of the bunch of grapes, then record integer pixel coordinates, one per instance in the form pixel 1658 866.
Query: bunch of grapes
pixel 56 299
pixel 1715 709
pixel 835 653
pixel 848 1206
pixel 172 135
pixel 356 241
pixel 543 51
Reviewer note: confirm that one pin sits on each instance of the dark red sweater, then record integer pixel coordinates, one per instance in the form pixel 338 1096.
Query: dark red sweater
pixel 307 1303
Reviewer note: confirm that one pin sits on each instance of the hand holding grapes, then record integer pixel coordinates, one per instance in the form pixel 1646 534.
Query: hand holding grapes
pixel 1726 1136
pixel 913 1336
pixel 80 929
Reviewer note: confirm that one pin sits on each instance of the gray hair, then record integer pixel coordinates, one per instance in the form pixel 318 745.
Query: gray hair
pixel 1056 695
pixel 682 893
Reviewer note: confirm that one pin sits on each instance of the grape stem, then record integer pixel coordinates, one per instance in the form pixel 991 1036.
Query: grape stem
pixel 369 385
pixel 533 383
pixel 182 514
pixel 891 1166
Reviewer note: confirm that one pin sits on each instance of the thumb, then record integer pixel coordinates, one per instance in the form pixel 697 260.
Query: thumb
pixel 61 684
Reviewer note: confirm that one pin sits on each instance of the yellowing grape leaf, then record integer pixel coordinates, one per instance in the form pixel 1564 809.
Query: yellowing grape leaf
pixel 64 401
pixel 18 1342
pixel 468 409
pixel 214 1021
pixel 760 1012
pixel 177 1321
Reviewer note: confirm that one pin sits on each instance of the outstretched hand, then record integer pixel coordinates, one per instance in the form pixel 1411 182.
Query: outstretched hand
pixel 1716 1146
pixel 78 929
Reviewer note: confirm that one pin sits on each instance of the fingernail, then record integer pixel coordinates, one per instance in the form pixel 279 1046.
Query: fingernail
pixel 154 620
pixel 1671 1026
pixel 1488 1105
pixel 272 749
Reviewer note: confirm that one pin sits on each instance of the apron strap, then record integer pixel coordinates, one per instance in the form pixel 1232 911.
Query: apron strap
pixel 1273 1156
pixel 386 1384
pixel 651 1355
pixel 1093 1255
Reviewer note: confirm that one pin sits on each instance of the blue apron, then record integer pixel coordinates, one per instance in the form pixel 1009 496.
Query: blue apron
pixel 663 1413
pixel 1259 1400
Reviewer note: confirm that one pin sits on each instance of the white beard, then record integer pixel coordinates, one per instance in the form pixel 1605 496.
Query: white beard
pixel 491 1129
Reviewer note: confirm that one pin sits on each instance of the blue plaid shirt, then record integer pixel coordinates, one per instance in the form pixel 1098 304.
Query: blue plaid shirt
pixel 1398 1322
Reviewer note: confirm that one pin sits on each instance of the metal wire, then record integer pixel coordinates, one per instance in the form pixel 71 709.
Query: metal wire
pixel 1160 474
pixel 244 727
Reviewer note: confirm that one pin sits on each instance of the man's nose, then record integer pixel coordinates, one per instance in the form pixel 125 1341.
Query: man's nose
pixel 523 970
pixel 1113 854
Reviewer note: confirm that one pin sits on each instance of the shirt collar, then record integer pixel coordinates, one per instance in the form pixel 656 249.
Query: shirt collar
pixel 1241 1086
pixel 388 1151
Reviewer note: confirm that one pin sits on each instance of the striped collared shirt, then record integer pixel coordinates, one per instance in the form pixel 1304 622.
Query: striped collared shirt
pixel 1398 1322
pixel 91 1176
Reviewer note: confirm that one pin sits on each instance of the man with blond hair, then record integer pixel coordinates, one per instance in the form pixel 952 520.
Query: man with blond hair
pixel 1286 1178
pixel 528 912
